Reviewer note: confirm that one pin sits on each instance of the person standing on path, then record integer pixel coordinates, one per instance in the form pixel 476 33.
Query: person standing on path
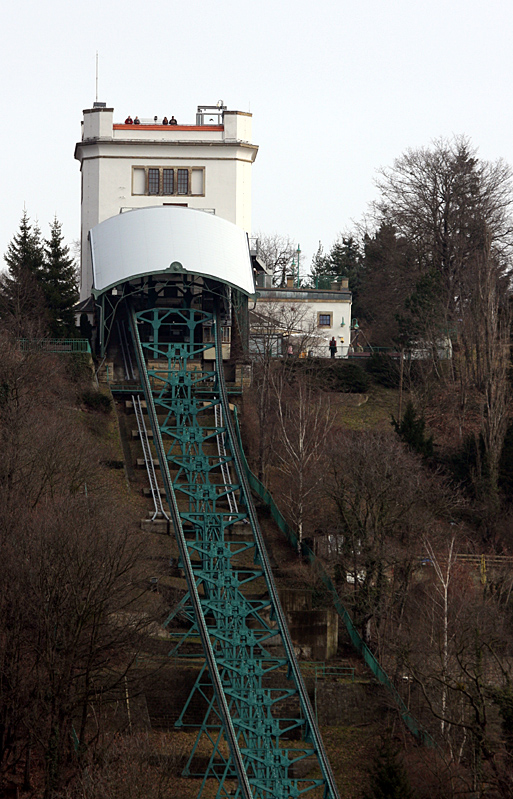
pixel 333 347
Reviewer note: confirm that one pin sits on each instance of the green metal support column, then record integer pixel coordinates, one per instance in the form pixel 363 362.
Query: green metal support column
pixel 268 705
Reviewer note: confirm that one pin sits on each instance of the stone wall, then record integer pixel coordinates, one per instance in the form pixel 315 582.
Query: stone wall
pixel 314 632
pixel 349 703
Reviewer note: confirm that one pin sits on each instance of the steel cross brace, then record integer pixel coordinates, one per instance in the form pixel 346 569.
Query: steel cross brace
pixel 240 625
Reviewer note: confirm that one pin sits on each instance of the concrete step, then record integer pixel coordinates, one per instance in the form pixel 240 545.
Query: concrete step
pixel 135 433
pixel 141 463
pixel 157 525
pixel 147 492
pixel 129 405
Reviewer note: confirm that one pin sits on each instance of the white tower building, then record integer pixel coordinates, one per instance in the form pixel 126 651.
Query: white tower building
pixel 124 166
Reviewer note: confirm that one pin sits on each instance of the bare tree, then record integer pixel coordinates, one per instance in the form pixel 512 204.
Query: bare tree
pixel 439 199
pixel 82 598
pixel 485 335
pixel 277 252
pixel 459 655
pixel 136 767
pixel 68 569
pixel 274 325
pixel 383 500
pixel 304 422
pixel 443 566
pixel 433 197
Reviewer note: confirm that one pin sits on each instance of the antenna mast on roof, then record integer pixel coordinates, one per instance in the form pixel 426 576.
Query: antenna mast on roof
pixel 96 103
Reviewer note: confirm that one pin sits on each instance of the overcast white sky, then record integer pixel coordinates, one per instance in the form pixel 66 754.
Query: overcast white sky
pixel 336 90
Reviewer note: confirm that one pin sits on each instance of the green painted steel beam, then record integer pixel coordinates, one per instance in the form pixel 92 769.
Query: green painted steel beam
pixel 236 602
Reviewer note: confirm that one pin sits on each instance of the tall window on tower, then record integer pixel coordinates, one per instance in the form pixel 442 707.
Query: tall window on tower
pixel 153 181
pixel 183 181
pixel 168 181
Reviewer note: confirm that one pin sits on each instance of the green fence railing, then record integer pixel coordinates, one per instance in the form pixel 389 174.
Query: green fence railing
pixel 413 725
pixel 59 345
pixel 325 671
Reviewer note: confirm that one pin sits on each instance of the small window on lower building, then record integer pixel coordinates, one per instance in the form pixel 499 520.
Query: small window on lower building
pixel 324 319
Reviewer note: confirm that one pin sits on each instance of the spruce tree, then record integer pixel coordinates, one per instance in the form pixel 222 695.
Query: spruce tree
pixel 59 284
pixel 411 429
pixel 344 260
pixel 22 304
pixel 25 252
pixel 389 779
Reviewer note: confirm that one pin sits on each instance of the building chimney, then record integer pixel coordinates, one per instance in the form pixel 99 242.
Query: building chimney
pixel 290 282
pixel 344 283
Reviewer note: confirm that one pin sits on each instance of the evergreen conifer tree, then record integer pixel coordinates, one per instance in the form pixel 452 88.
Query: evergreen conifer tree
pixel 59 284
pixel 344 260
pixel 389 779
pixel 25 252
pixel 22 304
pixel 411 429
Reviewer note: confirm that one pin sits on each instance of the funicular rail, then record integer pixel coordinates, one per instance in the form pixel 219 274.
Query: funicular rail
pixel 243 632
pixel 189 574
pixel 141 425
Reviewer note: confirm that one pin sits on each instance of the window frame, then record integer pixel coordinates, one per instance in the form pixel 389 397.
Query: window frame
pixel 209 338
pixel 175 170
pixel 168 170
pixel 181 173
pixel 153 181
pixel 321 314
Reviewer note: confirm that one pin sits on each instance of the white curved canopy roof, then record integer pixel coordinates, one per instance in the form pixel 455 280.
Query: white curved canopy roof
pixel 168 239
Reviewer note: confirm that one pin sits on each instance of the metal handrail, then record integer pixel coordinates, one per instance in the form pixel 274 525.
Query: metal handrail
pixel 57 345
pixel 323 670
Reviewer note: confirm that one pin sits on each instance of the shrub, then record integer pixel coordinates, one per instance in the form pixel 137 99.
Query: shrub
pixel 411 429
pixel 96 401
pixel 388 777
pixel 336 375
pixel 78 367
pixel 351 378
pixel 383 369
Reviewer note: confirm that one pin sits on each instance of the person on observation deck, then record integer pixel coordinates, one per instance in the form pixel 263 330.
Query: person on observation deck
pixel 129 121
pixel 333 347
pixel 173 121
pixel 165 121
pixel 137 121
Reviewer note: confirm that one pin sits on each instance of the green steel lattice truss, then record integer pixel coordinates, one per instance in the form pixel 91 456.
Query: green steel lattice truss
pixel 266 703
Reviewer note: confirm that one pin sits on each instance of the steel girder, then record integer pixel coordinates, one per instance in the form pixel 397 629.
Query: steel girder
pixel 266 703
